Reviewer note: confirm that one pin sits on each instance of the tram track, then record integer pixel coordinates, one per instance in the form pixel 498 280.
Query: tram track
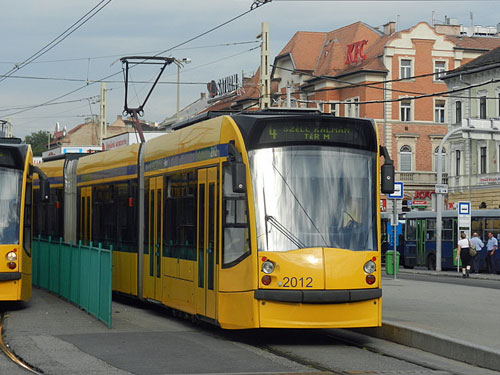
pixel 328 352
pixel 5 349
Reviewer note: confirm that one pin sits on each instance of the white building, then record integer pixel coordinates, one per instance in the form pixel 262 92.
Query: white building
pixel 475 163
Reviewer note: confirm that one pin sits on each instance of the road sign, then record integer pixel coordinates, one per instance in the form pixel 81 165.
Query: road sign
pixel 398 191
pixel 464 218
pixel 441 188
pixel 464 208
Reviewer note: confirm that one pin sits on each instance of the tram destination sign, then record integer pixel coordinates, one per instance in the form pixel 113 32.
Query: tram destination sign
pixel 359 134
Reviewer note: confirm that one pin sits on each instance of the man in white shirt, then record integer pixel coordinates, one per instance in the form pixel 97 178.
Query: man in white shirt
pixel 478 244
pixel 491 247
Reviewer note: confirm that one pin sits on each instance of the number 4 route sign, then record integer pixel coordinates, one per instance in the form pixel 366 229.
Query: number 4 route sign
pixel 398 191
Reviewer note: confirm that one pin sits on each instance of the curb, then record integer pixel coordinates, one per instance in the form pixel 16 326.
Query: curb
pixel 442 345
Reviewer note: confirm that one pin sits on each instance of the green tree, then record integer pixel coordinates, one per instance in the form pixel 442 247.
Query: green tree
pixel 38 142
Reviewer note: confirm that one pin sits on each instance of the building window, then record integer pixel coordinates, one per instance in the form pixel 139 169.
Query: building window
pixel 457 163
pixel 352 110
pixel 333 109
pixel 439 111
pixel 499 104
pixel 483 160
pixel 439 69
pixel 405 158
pixel 443 159
pixel 405 69
pixel 458 112
pixel 482 107
pixel 406 110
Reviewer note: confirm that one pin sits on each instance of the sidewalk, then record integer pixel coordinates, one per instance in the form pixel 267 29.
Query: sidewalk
pixel 459 321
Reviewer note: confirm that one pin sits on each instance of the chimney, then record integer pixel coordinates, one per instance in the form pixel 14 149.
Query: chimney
pixel 119 118
pixel 203 95
pixel 389 28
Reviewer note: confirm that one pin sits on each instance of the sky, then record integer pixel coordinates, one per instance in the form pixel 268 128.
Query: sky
pixel 62 85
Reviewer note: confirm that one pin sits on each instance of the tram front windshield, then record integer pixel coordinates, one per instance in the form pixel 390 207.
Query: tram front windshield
pixel 314 196
pixel 10 198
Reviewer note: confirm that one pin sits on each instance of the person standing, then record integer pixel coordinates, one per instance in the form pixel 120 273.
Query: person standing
pixel 478 244
pixel 464 255
pixel 491 247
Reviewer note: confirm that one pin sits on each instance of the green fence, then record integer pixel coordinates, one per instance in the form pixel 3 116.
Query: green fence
pixel 81 274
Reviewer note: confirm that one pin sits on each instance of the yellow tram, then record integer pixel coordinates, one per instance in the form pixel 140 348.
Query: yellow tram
pixel 248 220
pixel 16 175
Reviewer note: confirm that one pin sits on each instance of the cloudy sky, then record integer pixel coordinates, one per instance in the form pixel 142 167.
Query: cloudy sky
pixel 58 86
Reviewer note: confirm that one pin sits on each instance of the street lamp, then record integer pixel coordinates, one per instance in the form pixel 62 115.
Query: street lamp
pixel 180 63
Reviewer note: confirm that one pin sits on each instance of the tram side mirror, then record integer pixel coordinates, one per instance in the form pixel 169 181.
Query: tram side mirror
pixel 238 173
pixel 387 172
pixel 387 178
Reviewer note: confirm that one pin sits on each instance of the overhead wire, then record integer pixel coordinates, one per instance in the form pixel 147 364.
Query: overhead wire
pixel 371 85
pixel 136 53
pixel 167 50
pixel 70 30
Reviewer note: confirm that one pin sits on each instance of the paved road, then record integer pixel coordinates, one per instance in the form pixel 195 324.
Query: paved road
pixel 62 340
pixel 421 309
pixel 458 319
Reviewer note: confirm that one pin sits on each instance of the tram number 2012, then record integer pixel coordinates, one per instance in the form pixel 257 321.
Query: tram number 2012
pixel 294 282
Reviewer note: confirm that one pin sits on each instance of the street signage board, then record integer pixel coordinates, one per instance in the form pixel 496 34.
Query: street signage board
pixel 464 218
pixel 398 191
pixel 441 188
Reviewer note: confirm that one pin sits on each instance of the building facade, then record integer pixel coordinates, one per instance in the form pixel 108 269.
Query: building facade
pixel 474 158
pixel 391 76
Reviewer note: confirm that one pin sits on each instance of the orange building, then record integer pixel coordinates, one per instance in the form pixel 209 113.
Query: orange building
pixel 388 75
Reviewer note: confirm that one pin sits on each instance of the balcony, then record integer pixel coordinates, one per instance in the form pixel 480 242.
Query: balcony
pixel 420 178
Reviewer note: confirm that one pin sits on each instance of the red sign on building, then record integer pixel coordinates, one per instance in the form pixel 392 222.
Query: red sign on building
pixel 355 52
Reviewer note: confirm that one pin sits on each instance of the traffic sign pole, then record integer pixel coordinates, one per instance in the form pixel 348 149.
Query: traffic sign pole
pixel 398 194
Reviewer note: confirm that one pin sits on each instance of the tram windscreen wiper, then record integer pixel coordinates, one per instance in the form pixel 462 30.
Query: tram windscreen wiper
pixel 285 232
pixel 299 203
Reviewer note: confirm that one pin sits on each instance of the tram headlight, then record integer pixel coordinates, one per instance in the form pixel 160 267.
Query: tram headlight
pixel 370 267
pixel 268 267
pixel 11 256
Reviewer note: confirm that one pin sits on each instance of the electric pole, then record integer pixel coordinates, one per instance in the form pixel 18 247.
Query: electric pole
pixel 265 77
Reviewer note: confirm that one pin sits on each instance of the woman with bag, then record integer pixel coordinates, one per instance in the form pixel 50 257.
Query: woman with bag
pixel 464 255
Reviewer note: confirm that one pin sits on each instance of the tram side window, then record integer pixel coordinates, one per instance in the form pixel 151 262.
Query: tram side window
pixel 114 216
pixel 236 243
pixel 430 234
pixel 180 216
pixel 125 208
pixel 447 233
pixel 104 216
pixel 477 227
pixel 411 230
pixel 49 215
pixel 491 225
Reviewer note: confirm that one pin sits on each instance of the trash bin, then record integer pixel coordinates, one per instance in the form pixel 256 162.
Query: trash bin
pixel 455 259
pixel 389 262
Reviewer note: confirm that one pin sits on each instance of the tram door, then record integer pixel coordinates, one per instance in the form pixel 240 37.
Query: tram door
pixel 153 281
pixel 207 242
pixel 86 215
pixel 421 241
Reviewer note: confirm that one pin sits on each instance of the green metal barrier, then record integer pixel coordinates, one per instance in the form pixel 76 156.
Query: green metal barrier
pixel 80 274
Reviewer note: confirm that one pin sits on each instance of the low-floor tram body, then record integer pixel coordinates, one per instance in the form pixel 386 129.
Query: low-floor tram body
pixel 250 220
